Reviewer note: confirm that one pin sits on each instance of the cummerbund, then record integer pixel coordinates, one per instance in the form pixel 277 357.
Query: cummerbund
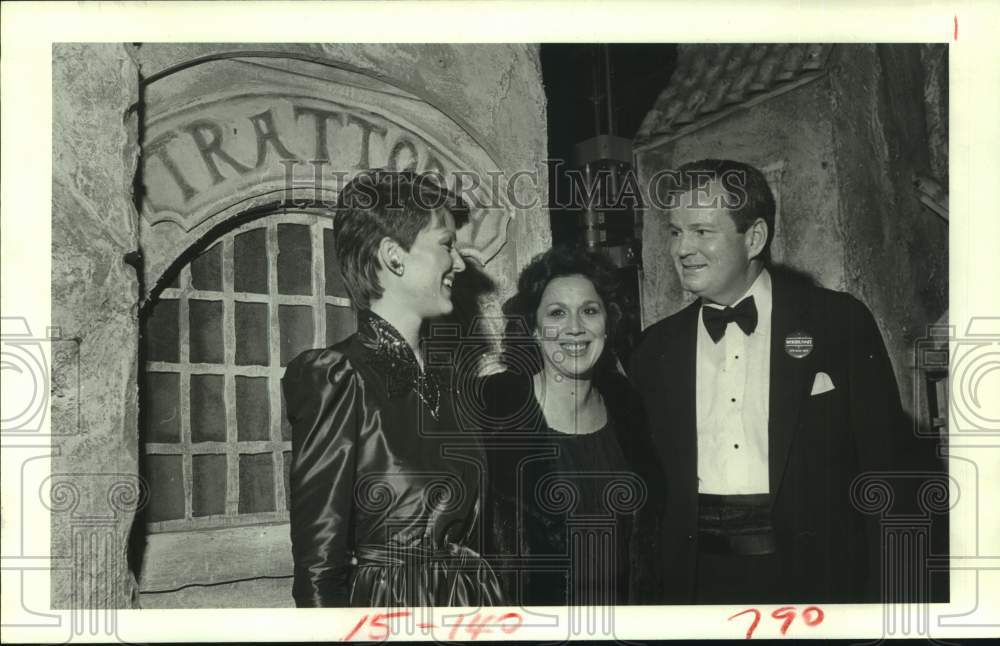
pixel 736 524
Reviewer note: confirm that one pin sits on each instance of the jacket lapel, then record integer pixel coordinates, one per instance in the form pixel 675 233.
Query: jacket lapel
pixel 789 376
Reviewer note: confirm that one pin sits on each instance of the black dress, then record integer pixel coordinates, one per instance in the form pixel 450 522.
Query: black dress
pixel 564 507
pixel 385 492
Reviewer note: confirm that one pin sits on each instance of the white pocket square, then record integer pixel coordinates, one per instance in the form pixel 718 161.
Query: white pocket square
pixel 822 384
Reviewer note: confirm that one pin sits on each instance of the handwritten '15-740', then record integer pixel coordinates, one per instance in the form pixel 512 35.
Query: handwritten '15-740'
pixel 378 626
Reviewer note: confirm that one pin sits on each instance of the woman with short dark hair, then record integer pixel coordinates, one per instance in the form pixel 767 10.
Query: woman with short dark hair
pixel 567 438
pixel 379 515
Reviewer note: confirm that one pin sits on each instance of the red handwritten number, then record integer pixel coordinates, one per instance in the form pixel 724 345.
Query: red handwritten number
pixel 477 626
pixel 812 616
pixel 354 632
pixel 378 627
pixel 454 628
pixel 756 620
pixel 510 627
pixel 379 621
pixel 816 615
pixel 788 614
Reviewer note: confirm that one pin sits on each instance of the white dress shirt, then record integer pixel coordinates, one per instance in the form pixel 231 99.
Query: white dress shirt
pixel 733 379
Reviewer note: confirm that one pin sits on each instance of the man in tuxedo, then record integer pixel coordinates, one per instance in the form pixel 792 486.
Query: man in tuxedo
pixel 766 398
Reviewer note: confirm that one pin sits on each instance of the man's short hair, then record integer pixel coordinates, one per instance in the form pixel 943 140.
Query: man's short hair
pixel 381 203
pixel 748 194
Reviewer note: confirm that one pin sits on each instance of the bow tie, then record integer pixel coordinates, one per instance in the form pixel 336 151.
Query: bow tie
pixel 716 320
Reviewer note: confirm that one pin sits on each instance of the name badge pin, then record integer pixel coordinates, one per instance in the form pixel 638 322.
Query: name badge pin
pixel 798 345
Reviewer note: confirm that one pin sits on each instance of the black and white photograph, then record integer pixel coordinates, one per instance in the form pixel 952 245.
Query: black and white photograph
pixel 518 339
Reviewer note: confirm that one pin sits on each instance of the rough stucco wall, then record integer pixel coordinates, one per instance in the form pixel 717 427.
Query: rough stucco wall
pixel 494 91
pixel 934 58
pixel 896 250
pixel 792 129
pixel 94 483
pixel 660 289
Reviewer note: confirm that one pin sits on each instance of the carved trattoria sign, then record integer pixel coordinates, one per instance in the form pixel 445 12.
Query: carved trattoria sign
pixel 216 157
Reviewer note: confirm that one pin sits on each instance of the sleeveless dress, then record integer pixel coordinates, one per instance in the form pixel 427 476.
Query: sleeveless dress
pixel 385 490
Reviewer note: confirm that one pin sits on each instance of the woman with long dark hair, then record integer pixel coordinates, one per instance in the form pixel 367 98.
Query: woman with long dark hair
pixel 380 516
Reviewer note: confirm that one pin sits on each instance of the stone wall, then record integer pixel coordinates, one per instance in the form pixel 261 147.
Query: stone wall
pixel 895 249
pixel 94 486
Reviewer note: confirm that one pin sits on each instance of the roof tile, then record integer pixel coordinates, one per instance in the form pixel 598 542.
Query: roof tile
pixel 712 78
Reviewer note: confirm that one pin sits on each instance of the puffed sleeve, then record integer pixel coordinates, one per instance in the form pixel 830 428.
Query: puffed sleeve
pixel 324 406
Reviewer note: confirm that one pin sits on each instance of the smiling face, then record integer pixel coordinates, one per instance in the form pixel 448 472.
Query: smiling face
pixel 712 258
pixel 430 267
pixel 571 326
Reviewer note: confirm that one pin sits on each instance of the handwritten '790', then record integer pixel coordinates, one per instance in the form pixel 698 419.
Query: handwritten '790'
pixel 811 616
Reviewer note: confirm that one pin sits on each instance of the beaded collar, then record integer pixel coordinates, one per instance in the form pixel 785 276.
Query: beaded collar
pixel 393 358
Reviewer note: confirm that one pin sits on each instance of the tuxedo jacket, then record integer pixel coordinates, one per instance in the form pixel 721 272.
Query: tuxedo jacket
pixel 818 442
